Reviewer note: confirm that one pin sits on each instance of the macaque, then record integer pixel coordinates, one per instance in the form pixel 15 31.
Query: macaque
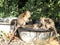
pixel 23 18
pixel 47 24
pixel 21 22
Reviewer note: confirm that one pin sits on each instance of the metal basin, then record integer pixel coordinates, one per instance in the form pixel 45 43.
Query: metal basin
pixel 28 35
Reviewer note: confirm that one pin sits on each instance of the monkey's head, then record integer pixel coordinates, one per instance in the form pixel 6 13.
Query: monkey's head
pixel 42 19
pixel 47 20
pixel 27 14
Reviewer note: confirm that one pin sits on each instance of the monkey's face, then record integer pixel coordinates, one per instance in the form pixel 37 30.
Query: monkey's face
pixel 43 23
pixel 27 15
pixel 45 20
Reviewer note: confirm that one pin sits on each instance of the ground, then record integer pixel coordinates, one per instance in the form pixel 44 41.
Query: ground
pixel 17 41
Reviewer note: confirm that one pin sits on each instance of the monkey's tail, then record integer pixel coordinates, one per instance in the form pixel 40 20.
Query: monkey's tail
pixel 16 27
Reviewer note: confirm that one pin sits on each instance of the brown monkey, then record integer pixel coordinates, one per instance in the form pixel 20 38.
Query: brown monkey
pixel 47 24
pixel 23 18
pixel 21 22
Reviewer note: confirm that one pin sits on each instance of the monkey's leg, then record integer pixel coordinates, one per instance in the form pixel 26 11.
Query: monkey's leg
pixel 56 33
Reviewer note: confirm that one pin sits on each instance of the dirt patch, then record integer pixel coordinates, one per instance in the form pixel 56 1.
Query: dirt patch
pixel 17 41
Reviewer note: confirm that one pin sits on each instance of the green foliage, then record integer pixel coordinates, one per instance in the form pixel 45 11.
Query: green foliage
pixel 1 8
pixel 8 8
pixel 43 8
pixel 38 8
pixel 1 3
pixel 12 8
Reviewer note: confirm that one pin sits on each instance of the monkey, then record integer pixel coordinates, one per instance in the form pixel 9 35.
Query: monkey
pixel 21 22
pixel 47 24
pixel 23 18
